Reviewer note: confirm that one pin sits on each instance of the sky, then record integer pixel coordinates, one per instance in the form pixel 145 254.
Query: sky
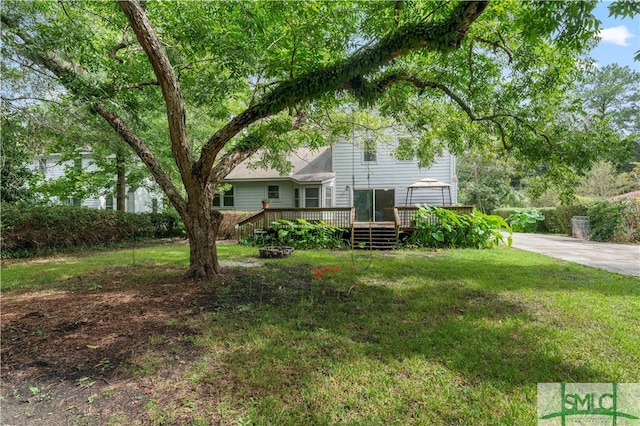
pixel 620 39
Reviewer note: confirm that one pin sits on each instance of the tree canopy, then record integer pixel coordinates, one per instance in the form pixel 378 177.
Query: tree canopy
pixel 215 82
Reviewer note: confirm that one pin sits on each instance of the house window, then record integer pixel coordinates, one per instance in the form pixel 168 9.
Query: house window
pixel 154 205
pixel 72 201
pixel 226 197
pixel 328 196
pixel 42 165
pixel 273 192
pixel 370 154
pixel 77 163
pixel 109 202
pixel 131 200
pixel 296 197
pixel 312 197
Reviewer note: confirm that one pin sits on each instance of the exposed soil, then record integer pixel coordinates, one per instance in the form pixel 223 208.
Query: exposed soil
pixel 80 354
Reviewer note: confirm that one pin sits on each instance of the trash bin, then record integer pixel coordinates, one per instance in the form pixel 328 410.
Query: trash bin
pixel 580 227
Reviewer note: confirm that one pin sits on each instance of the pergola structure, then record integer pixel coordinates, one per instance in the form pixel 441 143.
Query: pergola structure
pixel 428 183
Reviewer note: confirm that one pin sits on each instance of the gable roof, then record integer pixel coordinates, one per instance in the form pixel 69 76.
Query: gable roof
pixel 307 166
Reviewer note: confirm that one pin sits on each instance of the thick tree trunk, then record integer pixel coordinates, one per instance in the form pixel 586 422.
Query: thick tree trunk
pixel 202 223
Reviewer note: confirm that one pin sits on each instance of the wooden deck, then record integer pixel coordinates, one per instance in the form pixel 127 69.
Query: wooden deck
pixel 341 217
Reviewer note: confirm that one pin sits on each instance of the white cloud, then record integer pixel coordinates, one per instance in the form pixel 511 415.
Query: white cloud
pixel 616 35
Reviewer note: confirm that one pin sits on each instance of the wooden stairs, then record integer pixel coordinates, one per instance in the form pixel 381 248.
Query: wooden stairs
pixel 376 236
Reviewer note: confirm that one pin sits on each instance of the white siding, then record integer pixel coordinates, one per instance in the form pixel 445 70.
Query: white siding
pixel 138 201
pixel 352 172
pixel 248 196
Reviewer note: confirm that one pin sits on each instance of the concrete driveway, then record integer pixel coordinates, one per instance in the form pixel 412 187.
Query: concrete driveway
pixel 621 258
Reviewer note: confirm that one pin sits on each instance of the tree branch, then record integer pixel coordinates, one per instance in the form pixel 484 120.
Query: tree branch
pixel 30 98
pixel 113 53
pixel 145 154
pixel 72 81
pixel 443 35
pixel 141 85
pixel 493 118
pixel 498 46
pixel 176 114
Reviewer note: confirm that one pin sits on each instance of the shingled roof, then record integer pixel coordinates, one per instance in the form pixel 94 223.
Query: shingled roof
pixel 308 166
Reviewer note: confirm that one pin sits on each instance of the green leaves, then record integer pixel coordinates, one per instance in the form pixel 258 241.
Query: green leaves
pixel 441 228
pixel 302 234
pixel 524 220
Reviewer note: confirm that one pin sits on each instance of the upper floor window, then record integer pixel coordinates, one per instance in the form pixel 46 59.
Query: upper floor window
pixel 42 164
pixel 370 154
pixel 225 197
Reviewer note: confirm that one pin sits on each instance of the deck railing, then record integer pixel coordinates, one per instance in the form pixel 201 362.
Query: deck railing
pixel 336 216
pixel 404 215
pixel 342 217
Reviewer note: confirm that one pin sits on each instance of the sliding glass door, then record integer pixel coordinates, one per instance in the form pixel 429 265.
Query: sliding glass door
pixel 374 204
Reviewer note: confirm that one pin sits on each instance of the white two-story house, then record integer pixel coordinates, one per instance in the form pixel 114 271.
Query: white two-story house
pixel 368 177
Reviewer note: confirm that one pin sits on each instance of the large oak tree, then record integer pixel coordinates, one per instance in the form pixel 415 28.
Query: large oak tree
pixel 233 78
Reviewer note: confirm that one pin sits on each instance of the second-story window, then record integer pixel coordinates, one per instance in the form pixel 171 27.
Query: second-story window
pixel 370 154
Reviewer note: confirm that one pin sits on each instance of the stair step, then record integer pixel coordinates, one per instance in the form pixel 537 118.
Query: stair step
pixel 382 238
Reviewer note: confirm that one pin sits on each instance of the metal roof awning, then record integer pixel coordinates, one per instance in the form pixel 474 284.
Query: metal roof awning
pixel 428 183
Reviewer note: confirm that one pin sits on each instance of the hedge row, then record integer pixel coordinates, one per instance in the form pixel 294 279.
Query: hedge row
pixel 617 221
pixel 31 229
pixel 557 220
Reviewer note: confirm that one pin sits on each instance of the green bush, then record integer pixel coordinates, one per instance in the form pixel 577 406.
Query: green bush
pixel 505 212
pixel 629 227
pixel 557 220
pixel 300 234
pixel 607 218
pixel 551 223
pixel 564 215
pixel 525 220
pixel 441 228
pixel 29 230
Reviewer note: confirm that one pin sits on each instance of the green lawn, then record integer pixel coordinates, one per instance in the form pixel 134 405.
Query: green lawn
pixel 420 337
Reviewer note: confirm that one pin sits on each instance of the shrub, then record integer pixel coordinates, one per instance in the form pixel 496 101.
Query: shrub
pixel 557 220
pixel 31 229
pixel 628 230
pixel 437 227
pixel 300 234
pixel 552 223
pixel 525 220
pixel 563 215
pixel 604 217
pixel 614 220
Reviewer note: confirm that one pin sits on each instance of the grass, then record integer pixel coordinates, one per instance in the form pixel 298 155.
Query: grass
pixel 447 337
pixel 51 272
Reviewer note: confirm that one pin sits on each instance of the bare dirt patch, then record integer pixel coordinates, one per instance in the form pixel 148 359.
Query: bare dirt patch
pixel 86 354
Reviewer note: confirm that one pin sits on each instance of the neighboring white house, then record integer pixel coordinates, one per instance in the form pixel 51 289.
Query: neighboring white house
pixel 343 175
pixel 139 200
